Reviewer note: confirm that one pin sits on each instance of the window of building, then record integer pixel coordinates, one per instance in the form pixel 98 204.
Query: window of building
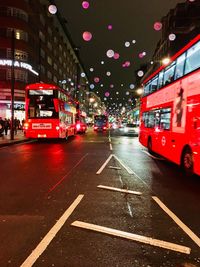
pixel 49 45
pixel 42 20
pixel 55 79
pixel 49 31
pixel 49 75
pixel 42 53
pixel 19 34
pixel 42 36
pixel 42 69
pixel 55 66
pixel 49 60
pixel 20 75
pixel 16 12
pixel 19 54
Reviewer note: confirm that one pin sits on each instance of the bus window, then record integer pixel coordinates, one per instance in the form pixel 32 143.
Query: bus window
pixel 154 84
pixel 151 120
pixel 179 66
pixel 147 89
pixel 160 79
pixel 165 118
pixel 193 58
pixel 169 74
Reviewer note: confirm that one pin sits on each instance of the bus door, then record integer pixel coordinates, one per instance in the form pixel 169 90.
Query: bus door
pixel 162 131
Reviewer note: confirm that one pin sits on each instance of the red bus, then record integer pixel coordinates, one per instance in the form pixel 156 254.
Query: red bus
pixel 50 112
pixel 170 109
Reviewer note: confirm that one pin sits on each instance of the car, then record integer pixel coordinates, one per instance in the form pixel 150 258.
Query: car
pixel 81 127
pixel 131 129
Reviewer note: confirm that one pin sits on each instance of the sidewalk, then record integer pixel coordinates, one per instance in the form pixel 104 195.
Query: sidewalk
pixel 18 138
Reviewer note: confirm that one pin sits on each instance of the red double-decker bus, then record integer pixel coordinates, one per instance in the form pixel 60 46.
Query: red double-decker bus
pixel 170 109
pixel 50 112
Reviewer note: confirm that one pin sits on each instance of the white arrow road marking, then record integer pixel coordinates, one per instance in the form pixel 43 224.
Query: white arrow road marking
pixel 104 165
pixel 119 190
pixel 51 234
pixel 184 227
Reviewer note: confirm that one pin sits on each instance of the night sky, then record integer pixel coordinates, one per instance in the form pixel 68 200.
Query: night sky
pixel 130 20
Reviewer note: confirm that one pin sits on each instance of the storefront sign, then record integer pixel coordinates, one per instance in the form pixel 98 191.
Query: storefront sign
pixel 18 64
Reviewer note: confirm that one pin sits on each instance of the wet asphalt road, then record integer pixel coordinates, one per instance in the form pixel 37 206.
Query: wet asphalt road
pixel 40 180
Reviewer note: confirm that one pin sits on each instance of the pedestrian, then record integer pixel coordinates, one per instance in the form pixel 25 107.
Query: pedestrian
pixel 15 124
pixel 6 126
pixel 1 126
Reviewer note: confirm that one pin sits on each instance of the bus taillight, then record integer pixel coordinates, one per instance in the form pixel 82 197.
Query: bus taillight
pixel 78 126
pixel 57 127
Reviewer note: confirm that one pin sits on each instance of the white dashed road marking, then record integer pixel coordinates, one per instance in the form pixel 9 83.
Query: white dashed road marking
pixel 134 237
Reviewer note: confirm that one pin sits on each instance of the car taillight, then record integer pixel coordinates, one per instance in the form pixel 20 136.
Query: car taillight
pixel 95 127
pixel 57 127
pixel 104 128
pixel 78 126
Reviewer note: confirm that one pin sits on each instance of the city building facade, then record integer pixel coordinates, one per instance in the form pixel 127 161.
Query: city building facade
pixel 39 47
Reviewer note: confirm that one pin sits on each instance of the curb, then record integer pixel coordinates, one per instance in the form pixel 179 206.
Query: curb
pixel 14 142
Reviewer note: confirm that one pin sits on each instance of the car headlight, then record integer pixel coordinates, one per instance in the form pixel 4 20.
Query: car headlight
pixel 125 130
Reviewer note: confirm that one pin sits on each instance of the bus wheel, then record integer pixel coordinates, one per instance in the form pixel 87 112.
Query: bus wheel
pixel 149 145
pixel 187 162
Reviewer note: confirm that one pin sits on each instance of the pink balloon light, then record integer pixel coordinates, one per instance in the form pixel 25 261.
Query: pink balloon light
pixel 110 27
pixel 107 94
pixel 140 55
pixel 127 63
pixel 85 4
pixel 116 56
pixel 157 26
pixel 87 36
pixel 96 79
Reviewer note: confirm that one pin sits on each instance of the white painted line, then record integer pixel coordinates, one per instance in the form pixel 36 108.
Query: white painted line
pixel 114 167
pixel 125 167
pixel 184 227
pixel 134 237
pixel 150 155
pixel 111 147
pixel 120 190
pixel 104 165
pixel 51 234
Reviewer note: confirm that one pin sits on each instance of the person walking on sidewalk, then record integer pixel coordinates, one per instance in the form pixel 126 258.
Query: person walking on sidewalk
pixel 16 125
pixel 6 126
pixel 1 127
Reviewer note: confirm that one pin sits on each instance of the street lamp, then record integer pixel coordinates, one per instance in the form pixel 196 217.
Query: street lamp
pixel 12 84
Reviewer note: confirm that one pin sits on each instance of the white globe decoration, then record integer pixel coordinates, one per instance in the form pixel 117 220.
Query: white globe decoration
pixel 92 86
pixel 172 36
pixel 110 53
pixel 52 9
pixel 82 74
pixel 108 73
pixel 127 44
pixel 140 73
pixel 132 86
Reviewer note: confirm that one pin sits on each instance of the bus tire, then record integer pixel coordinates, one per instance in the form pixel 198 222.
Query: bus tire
pixel 187 162
pixel 149 145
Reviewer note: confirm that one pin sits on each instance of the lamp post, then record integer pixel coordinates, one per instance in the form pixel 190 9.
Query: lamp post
pixel 12 84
